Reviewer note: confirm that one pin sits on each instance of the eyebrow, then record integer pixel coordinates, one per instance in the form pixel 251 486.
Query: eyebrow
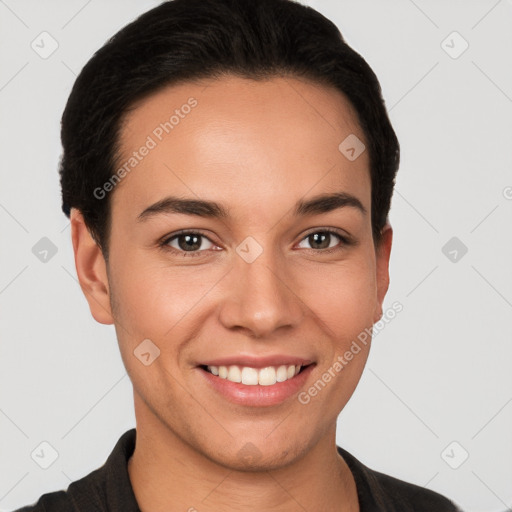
pixel 323 203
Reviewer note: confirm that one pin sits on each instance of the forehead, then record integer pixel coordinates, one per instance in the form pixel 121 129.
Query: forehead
pixel 254 142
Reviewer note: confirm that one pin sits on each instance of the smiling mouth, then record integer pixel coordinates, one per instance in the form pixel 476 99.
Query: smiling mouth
pixel 268 376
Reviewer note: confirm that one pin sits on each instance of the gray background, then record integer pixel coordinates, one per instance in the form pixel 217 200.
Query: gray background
pixel 439 372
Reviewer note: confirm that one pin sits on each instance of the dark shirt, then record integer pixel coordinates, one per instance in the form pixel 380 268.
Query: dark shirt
pixel 108 489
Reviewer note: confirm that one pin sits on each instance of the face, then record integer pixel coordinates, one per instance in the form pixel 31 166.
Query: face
pixel 266 267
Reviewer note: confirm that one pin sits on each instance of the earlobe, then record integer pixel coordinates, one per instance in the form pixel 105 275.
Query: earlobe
pixel 383 252
pixel 91 269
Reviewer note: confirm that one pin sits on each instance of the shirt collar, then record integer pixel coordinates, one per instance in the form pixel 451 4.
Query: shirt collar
pixel 118 488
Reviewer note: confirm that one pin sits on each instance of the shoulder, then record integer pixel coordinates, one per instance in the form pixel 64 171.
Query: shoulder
pixel 86 492
pixel 105 488
pixel 51 502
pixel 407 496
pixel 378 491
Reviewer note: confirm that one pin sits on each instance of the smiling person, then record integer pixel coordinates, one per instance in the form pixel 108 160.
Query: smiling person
pixel 228 167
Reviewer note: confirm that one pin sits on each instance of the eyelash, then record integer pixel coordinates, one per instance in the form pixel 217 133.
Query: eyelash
pixel 345 241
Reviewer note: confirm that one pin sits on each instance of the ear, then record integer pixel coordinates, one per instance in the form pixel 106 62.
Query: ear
pixel 382 254
pixel 91 269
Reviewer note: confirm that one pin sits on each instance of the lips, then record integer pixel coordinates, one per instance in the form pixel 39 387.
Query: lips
pixel 247 374
pixel 252 394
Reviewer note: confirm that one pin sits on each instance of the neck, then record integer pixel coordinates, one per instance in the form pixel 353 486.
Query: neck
pixel 167 474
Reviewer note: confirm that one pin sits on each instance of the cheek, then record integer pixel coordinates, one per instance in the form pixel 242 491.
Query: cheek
pixel 152 303
pixel 343 296
pixel 157 301
pixel 343 300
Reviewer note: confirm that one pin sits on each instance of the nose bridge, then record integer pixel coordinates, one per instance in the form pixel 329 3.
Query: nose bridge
pixel 261 297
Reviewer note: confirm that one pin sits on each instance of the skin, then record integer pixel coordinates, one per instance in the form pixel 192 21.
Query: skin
pixel 257 148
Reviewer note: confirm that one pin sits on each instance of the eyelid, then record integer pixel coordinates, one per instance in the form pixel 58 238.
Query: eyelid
pixel 337 231
pixel 345 240
pixel 164 242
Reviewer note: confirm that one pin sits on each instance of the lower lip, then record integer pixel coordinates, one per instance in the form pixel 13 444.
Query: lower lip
pixel 258 396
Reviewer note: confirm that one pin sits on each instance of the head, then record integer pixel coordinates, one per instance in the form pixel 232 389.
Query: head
pixel 253 125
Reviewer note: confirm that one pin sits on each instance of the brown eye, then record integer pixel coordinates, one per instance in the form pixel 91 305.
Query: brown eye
pixel 188 242
pixel 320 240
pixel 325 239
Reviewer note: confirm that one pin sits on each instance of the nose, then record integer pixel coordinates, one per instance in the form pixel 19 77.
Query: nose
pixel 261 297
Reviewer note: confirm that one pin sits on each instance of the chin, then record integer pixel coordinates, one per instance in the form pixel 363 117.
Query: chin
pixel 252 457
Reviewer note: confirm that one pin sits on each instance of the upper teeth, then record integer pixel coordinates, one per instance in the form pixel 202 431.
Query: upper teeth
pixel 253 376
